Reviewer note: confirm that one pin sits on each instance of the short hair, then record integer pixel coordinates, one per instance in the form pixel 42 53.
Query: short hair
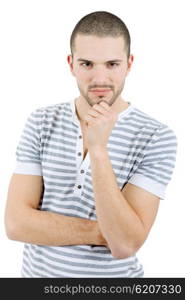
pixel 101 24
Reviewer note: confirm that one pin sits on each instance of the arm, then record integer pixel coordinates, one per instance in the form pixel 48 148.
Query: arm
pixel 25 223
pixel 125 218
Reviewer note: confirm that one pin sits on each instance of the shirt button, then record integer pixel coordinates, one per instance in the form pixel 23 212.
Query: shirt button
pixel 82 171
pixel 80 136
pixel 79 186
pixel 79 153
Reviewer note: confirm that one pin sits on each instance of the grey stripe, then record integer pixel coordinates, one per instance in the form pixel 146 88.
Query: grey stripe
pixel 83 202
pixel 53 154
pixel 24 148
pixel 28 161
pixel 167 146
pixel 56 169
pixel 53 131
pixel 50 176
pixel 63 142
pixel 159 154
pixel 61 148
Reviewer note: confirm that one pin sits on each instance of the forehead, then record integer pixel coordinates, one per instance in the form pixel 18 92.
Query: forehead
pixel 93 48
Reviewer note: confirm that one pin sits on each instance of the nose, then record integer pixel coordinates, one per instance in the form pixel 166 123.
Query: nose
pixel 99 75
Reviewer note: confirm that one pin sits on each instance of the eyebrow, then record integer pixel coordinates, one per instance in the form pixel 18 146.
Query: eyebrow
pixel 112 60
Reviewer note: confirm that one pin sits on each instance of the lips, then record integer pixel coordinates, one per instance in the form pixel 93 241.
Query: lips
pixel 100 91
pixel 107 90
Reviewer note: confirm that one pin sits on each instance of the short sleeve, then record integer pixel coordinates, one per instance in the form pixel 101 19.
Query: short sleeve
pixel 28 158
pixel 156 168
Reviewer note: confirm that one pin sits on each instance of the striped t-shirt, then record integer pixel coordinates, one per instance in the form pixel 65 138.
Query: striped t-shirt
pixel 142 151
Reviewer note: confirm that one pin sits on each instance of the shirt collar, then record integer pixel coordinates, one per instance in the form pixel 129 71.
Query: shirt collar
pixel 120 115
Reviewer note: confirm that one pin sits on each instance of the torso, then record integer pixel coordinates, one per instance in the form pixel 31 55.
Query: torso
pixel 84 153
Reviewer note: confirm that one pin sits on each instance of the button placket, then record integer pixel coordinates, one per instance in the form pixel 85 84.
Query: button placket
pixel 79 149
pixel 81 174
pixel 82 165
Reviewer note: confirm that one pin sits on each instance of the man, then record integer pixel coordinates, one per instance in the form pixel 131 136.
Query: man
pixel 90 172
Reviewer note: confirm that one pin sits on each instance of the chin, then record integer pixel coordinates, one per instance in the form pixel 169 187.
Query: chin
pixel 102 98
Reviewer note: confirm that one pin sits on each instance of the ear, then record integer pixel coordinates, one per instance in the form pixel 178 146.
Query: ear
pixel 130 62
pixel 70 63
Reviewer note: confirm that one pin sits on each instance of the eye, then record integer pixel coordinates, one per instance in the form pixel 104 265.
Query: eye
pixel 112 64
pixel 86 64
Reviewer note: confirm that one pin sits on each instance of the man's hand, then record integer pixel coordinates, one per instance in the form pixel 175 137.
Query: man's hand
pixel 100 121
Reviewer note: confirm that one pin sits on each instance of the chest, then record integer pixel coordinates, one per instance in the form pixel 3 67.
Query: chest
pixel 84 137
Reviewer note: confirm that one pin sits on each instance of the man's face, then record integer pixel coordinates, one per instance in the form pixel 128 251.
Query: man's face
pixel 100 66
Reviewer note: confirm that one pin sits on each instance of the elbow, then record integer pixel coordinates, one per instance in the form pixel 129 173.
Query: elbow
pixel 122 249
pixel 11 229
pixel 122 252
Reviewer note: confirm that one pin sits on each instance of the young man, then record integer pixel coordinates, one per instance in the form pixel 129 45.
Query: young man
pixel 90 172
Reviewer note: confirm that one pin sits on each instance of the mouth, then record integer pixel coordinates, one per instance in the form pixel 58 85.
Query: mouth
pixel 100 91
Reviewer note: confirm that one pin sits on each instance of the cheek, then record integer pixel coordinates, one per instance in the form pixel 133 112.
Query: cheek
pixel 82 77
pixel 119 77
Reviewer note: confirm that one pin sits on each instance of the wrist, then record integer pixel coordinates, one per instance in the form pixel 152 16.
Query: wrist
pixel 98 151
pixel 99 237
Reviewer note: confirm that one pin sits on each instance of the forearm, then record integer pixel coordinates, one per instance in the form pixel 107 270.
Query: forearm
pixel 47 228
pixel 118 222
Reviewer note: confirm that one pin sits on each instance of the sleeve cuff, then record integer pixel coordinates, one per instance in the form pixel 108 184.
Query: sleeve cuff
pixel 149 185
pixel 28 168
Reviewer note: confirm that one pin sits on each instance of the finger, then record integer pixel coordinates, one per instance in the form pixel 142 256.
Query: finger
pixel 93 113
pixel 105 105
pixel 100 109
pixel 109 110
pixel 88 118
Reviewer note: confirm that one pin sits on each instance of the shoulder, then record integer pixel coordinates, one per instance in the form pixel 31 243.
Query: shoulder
pixel 50 112
pixel 144 118
pixel 52 109
pixel 47 117
pixel 150 124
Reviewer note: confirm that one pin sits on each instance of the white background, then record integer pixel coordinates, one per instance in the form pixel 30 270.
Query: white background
pixel 34 37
